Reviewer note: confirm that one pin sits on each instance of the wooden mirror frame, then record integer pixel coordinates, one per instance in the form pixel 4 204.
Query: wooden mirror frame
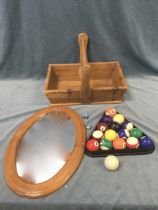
pixel 30 190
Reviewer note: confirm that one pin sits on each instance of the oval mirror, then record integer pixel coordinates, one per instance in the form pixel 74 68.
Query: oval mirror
pixel 44 152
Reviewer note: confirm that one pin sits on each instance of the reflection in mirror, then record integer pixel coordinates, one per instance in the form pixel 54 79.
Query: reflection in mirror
pixel 45 148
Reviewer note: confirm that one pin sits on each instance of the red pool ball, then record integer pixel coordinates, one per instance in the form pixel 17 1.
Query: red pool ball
pixel 92 145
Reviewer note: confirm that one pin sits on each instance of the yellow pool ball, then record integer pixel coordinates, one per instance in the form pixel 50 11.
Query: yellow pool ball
pixel 110 134
pixel 119 118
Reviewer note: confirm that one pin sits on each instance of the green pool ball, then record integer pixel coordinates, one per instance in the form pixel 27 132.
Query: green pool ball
pixel 105 144
pixel 135 132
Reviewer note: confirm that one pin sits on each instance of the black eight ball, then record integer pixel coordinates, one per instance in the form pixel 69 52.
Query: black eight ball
pixel 114 126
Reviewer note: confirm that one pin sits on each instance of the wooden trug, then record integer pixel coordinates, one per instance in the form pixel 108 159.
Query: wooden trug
pixel 84 82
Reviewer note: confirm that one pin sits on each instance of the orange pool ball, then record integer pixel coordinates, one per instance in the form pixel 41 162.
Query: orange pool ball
pixel 111 111
pixel 119 143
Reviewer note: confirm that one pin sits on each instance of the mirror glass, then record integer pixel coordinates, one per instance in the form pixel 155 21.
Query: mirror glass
pixel 45 148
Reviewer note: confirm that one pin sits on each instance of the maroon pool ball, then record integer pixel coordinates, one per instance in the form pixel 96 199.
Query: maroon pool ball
pixel 102 126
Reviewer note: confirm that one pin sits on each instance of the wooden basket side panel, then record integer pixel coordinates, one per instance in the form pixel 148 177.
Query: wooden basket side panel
pixel 64 97
pixel 101 70
pixel 115 76
pixel 51 80
pixel 66 72
pixel 107 95
pixel 119 94
pixel 121 76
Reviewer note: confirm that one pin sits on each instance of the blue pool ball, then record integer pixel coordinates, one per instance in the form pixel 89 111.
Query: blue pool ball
pixel 106 119
pixel 123 133
pixel 146 142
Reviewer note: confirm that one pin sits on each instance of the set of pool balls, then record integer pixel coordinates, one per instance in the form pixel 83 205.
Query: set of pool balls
pixel 114 134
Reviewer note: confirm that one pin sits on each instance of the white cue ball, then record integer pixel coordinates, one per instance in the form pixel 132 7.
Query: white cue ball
pixel 111 162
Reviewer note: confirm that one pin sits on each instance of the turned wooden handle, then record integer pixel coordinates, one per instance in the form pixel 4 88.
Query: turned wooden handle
pixel 84 69
pixel 83 42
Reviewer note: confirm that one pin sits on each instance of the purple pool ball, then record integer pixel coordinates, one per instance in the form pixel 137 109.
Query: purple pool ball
pixel 106 119
pixel 146 142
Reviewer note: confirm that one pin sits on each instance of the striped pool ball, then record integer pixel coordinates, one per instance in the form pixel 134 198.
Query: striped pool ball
pixel 132 143
pixel 127 125
pixel 97 134
pixel 123 133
